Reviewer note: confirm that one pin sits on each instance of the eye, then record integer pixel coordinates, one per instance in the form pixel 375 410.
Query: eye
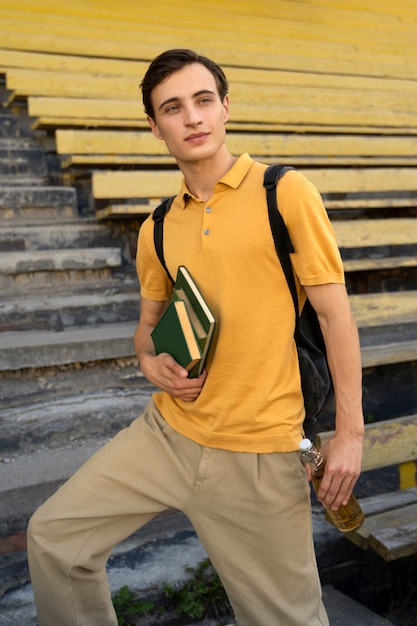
pixel 205 100
pixel 172 108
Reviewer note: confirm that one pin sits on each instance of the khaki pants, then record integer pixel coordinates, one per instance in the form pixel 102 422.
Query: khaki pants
pixel 251 512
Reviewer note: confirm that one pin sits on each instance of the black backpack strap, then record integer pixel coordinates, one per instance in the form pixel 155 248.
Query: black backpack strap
pixel 158 217
pixel 280 233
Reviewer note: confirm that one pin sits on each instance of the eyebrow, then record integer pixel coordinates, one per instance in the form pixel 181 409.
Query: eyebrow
pixel 177 98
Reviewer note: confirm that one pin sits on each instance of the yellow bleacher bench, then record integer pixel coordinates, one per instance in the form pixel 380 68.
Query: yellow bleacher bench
pixel 111 147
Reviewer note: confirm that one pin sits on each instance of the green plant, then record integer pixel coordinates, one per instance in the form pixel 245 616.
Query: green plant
pixel 202 595
pixel 125 604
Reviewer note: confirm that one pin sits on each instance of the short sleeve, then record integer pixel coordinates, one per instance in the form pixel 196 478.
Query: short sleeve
pixel 153 280
pixel 317 259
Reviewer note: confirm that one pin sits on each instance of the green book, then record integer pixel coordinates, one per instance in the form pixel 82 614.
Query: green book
pixel 201 317
pixel 174 334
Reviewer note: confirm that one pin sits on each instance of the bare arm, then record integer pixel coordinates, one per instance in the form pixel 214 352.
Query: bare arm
pixel 162 370
pixel 344 452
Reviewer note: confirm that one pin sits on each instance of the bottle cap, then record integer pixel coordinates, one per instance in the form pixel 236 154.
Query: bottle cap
pixel 305 445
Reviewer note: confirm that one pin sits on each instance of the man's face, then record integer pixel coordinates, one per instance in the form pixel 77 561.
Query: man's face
pixel 189 115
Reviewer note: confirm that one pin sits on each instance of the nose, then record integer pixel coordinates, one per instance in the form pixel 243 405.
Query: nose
pixel 192 117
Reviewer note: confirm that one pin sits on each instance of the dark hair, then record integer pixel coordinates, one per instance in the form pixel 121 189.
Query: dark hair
pixel 171 61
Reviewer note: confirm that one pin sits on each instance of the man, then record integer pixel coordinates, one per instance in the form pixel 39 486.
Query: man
pixel 221 447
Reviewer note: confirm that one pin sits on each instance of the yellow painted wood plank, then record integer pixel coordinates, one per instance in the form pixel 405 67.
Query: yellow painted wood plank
pixel 87 160
pixel 87 109
pixel 25 59
pixel 86 122
pixel 116 184
pixel 378 232
pixel 50 121
pixel 390 202
pixel 127 210
pixel 257 27
pixel 149 184
pixel 66 45
pixel 116 160
pixel 301 114
pixel 257 144
pixel 383 12
pixel 383 15
pixel 363 179
pixel 16 59
pixel 385 263
pixel 55 122
pixel 376 309
pixel 408 474
pixel 389 354
pixel 298 55
pixel 105 142
pixel 24 82
pixel 387 442
pixel 99 112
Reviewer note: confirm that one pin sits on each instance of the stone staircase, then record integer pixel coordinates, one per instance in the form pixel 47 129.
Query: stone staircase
pixel 69 305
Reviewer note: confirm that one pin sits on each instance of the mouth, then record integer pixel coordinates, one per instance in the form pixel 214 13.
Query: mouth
pixel 196 137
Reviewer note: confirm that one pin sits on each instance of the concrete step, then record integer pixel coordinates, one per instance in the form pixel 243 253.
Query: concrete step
pixel 8 125
pixel 45 440
pixel 82 233
pixel 58 312
pixel 57 447
pixel 51 266
pixel 34 203
pixel 29 479
pixel 56 418
pixel 18 182
pixel 21 160
pixel 19 350
pixel 22 143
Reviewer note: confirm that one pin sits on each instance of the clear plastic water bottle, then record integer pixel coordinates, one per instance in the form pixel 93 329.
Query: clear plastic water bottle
pixel 348 517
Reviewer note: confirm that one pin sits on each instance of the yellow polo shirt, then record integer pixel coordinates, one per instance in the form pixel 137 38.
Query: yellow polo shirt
pixel 252 400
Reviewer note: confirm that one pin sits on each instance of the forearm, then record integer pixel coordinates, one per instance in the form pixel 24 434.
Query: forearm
pixel 143 344
pixel 344 357
pixel 343 452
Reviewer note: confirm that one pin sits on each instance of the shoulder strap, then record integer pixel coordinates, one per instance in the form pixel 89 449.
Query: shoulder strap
pixel 280 233
pixel 158 231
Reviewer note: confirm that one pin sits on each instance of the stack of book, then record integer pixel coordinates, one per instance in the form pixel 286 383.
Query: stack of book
pixel 186 328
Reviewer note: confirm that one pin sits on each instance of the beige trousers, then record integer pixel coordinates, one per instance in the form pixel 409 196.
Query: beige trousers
pixel 251 512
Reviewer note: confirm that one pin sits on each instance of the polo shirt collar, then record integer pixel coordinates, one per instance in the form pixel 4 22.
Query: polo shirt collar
pixel 232 178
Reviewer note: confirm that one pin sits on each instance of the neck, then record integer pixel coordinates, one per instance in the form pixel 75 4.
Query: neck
pixel 201 176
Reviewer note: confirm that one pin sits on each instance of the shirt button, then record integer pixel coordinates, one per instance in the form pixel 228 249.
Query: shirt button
pixel 208 209
pixel 206 231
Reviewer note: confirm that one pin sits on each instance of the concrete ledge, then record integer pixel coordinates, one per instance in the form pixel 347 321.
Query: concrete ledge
pixel 43 349
pixel 59 260
pixel 57 312
pixel 78 234
pixel 343 611
pixel 26 484
pixel 37 203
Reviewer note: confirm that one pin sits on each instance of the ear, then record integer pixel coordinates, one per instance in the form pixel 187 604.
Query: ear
pixel 154 128
pixel 226 109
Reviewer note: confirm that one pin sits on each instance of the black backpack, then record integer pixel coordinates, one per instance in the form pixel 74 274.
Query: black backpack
pixel 316 380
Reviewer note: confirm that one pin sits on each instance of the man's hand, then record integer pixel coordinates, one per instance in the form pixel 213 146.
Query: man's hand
pixel 164 372
pixel 343 465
